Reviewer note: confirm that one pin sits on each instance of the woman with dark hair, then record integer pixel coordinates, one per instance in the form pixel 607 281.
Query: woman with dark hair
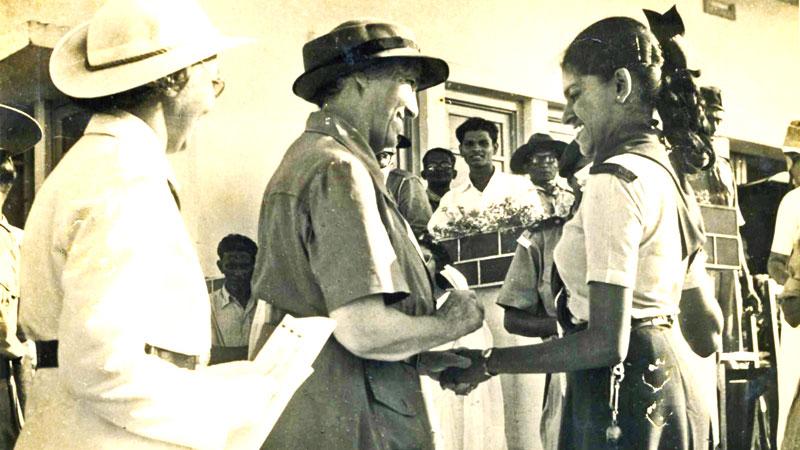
pixel 631 258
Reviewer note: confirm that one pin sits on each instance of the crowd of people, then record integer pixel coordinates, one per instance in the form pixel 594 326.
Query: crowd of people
pixel 344 234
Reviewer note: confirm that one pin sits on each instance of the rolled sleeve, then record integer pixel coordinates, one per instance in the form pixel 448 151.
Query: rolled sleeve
pixel 520 288
pixel 612 222
pixel 350 252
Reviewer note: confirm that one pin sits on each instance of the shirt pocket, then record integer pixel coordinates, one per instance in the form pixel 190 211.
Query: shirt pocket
pixel 393 385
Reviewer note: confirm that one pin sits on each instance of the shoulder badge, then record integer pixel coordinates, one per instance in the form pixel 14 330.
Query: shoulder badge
pixel 613 169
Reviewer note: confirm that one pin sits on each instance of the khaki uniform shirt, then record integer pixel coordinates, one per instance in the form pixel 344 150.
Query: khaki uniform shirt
pixel 329 233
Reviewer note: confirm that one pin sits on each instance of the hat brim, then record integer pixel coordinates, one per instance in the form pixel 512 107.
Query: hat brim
pixel 790 150
pixel 520 157
pixel 72 75
pixel 18 131
pixel 433 71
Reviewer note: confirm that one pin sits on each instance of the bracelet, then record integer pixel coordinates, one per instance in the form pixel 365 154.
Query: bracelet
pixel 486 354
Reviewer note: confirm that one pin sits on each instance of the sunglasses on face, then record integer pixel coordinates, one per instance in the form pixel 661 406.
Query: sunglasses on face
pixel 543 158
pixel 440 166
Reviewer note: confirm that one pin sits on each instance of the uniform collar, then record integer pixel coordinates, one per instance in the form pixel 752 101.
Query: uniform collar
pixel 140 151
pixel 228 299
pixel 331 124
pixel 640 136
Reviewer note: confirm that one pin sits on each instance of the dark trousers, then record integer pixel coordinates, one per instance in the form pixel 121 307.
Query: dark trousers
pixel 658 406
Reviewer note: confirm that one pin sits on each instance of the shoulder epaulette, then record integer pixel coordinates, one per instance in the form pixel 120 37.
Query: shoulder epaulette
pixel 613 169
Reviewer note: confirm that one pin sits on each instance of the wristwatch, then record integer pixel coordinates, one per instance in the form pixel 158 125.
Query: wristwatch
pixel 486 354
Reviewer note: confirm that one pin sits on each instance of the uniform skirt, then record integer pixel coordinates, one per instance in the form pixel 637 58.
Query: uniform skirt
pixel 659 407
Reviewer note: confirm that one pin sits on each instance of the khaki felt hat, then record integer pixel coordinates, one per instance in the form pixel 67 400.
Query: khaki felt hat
pixel 357 44
pixel 129 43
pixel 18 131
pixel 538 142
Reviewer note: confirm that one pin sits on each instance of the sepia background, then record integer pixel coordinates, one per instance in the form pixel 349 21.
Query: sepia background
pixel 504 60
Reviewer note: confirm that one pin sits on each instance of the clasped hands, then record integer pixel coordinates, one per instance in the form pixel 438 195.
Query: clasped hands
pixel 460 370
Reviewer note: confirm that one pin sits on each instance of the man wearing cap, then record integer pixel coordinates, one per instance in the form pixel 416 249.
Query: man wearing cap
pixel 406 188
pixel 438 169
pixel 538 158
pixel 332 243
pixel 717 186
pixel 113 291
pixel 18 133
pixel 486 186
pixel 787 222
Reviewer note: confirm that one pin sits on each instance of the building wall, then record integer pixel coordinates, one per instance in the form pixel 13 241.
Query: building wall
pixel 512 46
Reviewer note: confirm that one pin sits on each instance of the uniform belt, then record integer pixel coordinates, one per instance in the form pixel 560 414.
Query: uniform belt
pixel 47 355
pixel 656 321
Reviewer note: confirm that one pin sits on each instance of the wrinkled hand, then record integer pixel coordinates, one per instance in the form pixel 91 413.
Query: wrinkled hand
pixel 463 380
pixel 434 363
pixel 462 312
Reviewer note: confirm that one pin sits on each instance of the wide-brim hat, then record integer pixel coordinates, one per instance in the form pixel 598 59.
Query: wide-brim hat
pixel 357 44
pixel 18 131
pixel 129 43
pixel 539 142
pixel 791 143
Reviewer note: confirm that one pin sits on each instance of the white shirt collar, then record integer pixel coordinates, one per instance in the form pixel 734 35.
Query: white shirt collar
pixel 142 151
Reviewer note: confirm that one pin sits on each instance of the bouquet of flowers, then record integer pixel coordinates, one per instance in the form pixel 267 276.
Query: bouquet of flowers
pixel 499 216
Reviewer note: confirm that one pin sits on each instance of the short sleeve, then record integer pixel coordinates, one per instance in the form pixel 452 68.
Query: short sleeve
pixel 413 204
pixel 519 290
pixel 786 225
pixel 349 249
pixel 612 221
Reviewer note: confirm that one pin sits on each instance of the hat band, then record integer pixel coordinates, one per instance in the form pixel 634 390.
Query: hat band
pixel 361 52
pixel 121 62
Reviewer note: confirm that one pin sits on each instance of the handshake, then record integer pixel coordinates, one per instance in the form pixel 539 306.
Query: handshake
pixel 460 370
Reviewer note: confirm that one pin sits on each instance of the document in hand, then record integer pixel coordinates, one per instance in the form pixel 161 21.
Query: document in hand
pixel 455 278
pixel 287 357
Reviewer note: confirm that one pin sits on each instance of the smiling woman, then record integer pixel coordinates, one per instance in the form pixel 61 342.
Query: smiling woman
pixel 631 258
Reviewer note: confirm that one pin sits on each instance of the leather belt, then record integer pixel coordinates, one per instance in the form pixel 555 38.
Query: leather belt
pixel 47 355
pixel 656 321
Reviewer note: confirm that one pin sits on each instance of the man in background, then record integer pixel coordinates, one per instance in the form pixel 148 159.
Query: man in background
pixel 787 222
pixel 486 185
pixel 438 169
pixel 232 306
pixel 538 158
pixel 18 133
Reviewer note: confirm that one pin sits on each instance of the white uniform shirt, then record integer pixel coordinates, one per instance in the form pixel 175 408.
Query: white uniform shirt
pixel 787 223
pixel 230 321
pixel 501 186
pixel 627 234
pixel 107 267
